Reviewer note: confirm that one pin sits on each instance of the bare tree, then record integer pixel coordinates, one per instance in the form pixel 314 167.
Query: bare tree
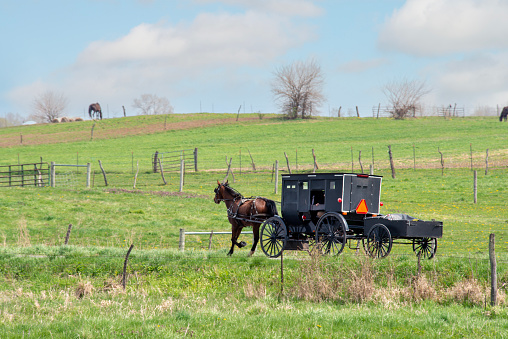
pixel 150 104
pixel 11 119
pixel 298 88
pixel 404 96
pixel 48 106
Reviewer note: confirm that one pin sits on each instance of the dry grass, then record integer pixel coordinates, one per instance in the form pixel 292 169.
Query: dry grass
pixel 318 282
pixel 468 291
pixel 23 234
pixel 83 289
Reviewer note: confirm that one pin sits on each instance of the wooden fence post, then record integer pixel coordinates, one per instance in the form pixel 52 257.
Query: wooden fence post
pixel 475 187
pixel 155 161
pixel 391 161
pixel 68 234
pixel 52 176
pixel 276 175
pixel 182 171
pixel 124 278
pixel 181 241
pixel 162 171
pixel 88 171
pixel 195 159
pixel 315 162
pixel 103 173
pixel 253 165
pixel 287 162
pixel 229 169
pixel 493 270
pixel 487 162
pixel 136 176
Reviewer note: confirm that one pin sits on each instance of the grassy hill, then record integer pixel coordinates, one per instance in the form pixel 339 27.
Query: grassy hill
pixel 48 289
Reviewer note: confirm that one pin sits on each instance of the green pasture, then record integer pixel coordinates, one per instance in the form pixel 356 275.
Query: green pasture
pixel 48 289
pixel 336 142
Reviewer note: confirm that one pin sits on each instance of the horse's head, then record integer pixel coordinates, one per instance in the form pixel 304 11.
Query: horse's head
pixel 219 193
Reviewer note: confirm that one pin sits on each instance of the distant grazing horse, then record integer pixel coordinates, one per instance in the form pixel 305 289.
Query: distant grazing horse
pixel 95 109
pixel 504 114
pixel 243 212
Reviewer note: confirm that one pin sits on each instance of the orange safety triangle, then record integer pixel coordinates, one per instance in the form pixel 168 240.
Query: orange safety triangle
pixel 362 207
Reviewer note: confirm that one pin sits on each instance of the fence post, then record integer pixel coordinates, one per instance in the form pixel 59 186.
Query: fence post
pixel 475 187
pixel 487 162
pixel 88 170
pixel 124 278
pixel 210 241
pixel 182 171
pixel 276 175
pixel 195 159
pixel 162 171
pixel 103 173
pixel 68 234
pixel 287 162
pixel 391 161
pixel 493 270
pixel 181 241
pixel 155 162
pixel 52 174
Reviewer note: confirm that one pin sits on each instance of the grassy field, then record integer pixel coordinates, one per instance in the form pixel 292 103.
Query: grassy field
pixel 51 290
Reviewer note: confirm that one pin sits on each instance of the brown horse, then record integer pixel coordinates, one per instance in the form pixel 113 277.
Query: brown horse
pixel 243 212
pixel 95 109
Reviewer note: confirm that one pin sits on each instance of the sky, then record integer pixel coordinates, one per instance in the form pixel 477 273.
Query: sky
pixel 220 55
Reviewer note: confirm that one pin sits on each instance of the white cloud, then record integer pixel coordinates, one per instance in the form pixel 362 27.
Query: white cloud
pixel 174 60
pixel 305 8
pixel 211 39
pixel 437 27
pixel 357 66
pixel 477 80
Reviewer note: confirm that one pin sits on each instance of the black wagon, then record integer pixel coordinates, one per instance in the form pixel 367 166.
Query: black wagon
pixel 329 210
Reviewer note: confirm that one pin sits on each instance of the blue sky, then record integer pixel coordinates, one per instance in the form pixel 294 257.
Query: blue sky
pixel 213 56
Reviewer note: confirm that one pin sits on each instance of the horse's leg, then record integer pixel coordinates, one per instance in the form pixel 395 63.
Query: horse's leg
pixel 255 232
pixel 235 233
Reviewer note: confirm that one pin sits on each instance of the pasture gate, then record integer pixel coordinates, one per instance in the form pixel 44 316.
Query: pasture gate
pixel 35 174
pixel 171 161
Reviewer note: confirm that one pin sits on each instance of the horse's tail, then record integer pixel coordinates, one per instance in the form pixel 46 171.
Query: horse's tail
pixel 272 208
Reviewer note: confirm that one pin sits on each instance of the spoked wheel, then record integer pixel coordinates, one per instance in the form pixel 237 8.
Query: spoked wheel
pixel 273 237
pixel 379 241
pixel 425 247
pixel 331 233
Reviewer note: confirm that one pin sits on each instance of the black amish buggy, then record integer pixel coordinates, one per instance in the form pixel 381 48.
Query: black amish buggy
pixel 330 210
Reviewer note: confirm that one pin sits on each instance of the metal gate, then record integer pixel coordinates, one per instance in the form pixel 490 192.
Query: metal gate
pixel 36 174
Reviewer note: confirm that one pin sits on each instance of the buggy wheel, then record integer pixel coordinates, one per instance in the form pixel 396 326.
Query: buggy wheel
pixel 331 233
pixel 379 241
pixel 425 247
pixel 273 236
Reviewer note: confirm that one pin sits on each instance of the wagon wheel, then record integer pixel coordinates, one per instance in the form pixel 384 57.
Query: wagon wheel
pixel 379 241
pixel 425 247
pixel 331 233
pixel 273 237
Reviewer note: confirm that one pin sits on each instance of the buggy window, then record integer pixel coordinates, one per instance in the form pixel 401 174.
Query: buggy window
pixel 317 197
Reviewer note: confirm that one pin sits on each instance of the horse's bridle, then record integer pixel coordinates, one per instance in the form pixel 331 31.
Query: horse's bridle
pixel 216 191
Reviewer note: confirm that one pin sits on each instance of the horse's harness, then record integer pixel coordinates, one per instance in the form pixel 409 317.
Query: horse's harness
pixel 233 212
